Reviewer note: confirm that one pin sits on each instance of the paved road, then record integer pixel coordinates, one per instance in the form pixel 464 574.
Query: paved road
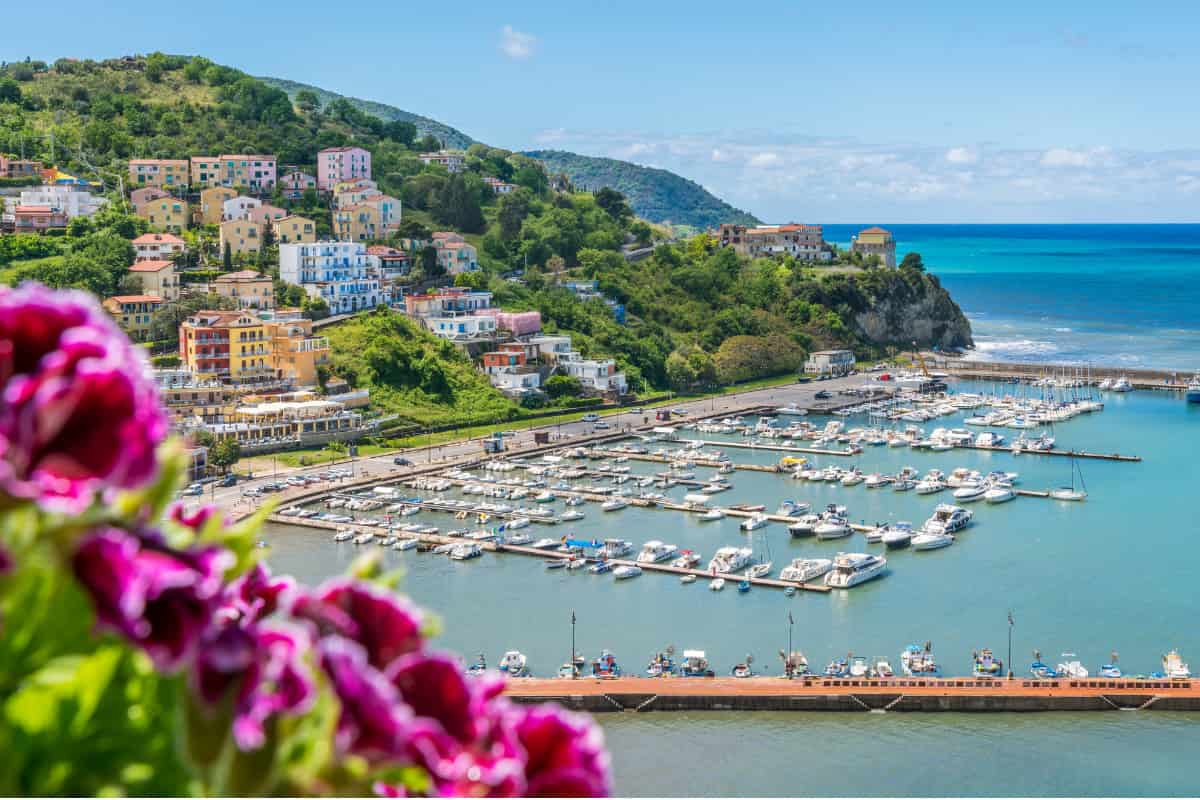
pixel 382 466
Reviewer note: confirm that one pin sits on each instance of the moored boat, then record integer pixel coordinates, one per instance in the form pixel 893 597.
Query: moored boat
pixel 986 665
pixel 851 569
pixel 514 664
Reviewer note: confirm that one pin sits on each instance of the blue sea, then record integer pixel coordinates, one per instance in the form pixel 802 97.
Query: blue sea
pixel 1119 295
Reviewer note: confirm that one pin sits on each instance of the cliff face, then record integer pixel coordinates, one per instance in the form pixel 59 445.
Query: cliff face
pixel 913 308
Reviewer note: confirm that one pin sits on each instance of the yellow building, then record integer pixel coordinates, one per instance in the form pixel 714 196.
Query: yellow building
pixel 878 242
pixel 249 350
pixel 164 172
pixel 165 214
pixel 358 223
pixel 211 201
pixel 243 237
pixel 249 288
pixel 133 312
pixel 295 229
pixel 158 278
pixel 242 348
pixel 295 352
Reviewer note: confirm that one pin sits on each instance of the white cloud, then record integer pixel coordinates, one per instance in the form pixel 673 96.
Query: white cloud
pixel 961 155
pixel 760 160
pixel 1064 157
pixel 515 44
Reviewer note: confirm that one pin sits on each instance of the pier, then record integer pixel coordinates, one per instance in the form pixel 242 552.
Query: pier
pixel 814 693
pixel 1068 453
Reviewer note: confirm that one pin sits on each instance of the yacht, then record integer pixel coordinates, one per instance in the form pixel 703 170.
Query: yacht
pixel 626 572
pixel 716 584
pixel 687 560
pixel 464 552
pixel 897 535
pixel 803 570
pixel 999 493
pixel 1174 667
pixel 613 504
pixel 754 522
pixel 615 548
pixel 970 492
pixel 570 515
pixel 1121 384
pixel 514 664
pixel 654 551
pixel 1073 668
pixel 919 662
pixel 834 524
pixel 343 535
pixel 932 538
pixel 952 518
pixel 712 515
pixel 851 569
pixel 805 526
pixel 730 559
pixel 790 508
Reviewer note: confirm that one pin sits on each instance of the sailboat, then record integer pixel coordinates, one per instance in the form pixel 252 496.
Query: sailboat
pixel 763 567
pixel 1070 493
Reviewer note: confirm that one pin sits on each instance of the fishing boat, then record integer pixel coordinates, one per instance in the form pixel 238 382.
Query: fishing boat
pixel 716 584
pixel 626 572
pixel 918 661
pixel 803 570
pixel 662 665
pixel 1174 667
pixel 754 522
pixel 568 670
pixel 838 668
pixel 986 665
pixel 694 665
pixel 851 569
pixel 882 668
pixel 606 666
pixel 479 667
pixel 514 664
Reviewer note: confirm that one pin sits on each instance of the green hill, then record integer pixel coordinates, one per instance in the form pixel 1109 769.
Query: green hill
pixel 450 137
pixel 655 194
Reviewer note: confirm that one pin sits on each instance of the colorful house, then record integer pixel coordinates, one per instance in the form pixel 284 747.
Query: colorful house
pixel 212 204
pixel 239 207
pixel 294 228
pixel 37 219
pixel 158 247
pixel 243 237
pixel 357 223
pixel 254 172
pixel 248 288
pixel 165 214
pixel 294 184
pixel 140 197
pixel 336 164
pixel 266 215
pixel 134 313
pixel 162 172
pixel 878 242
pixel 158 278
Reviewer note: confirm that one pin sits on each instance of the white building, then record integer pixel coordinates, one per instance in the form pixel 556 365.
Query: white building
pixel 517 382
pixel 336 272
pixel 461 326
pixel 829 362
pixel 238 207
pixel 551 347
pixel 66 199
pixel 598 375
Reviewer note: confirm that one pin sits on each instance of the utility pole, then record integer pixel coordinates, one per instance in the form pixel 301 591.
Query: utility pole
pixel 787 662
pixel 571 660
pixel 1010 629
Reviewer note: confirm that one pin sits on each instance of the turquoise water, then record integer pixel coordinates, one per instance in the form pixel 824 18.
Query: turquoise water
pixel 1121 295
pixel 1113 573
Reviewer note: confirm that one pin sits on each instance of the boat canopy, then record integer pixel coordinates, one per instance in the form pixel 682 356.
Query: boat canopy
pixel 664 431
pixel 583 543
pixel 693 654
pixel 695 499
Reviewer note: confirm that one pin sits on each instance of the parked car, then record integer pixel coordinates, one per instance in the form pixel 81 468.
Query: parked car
pixel 601 425
pixel 401 461
pixel 589 417
pixel 823 395
pixel 193 490
pixel 228 480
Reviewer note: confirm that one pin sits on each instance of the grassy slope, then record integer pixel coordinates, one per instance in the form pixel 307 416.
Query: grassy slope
pixel 655 194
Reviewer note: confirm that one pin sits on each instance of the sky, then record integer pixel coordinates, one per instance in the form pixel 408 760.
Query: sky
pixel 934 111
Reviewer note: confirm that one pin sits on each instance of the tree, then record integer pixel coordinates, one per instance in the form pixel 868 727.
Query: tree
pixel 912 261
pixel 412 229
pixel 427 144
pixel 130 284
pixel 401 131
pixel 743 358
pixel 156 64
pixel 562 386
pixel 315 308
pixel 513 208
pixel 227 257
pixel 429 262
pixel 307 101
pixel 10 91
pixel 459 207
pixel 680 373
pixel 613 203
pixel 642 232
pixel 164 327
pixel 224 454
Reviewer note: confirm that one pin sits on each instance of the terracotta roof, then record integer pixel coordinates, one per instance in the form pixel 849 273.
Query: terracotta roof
pixel 158 238
pixel 150 266
pixel 875 229
pixel 242 275
pixel 136 298
pixel 34 209
pixel 341 149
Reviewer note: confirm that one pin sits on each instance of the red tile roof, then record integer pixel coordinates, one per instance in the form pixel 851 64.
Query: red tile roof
pixel 150 266
pixel 875 229
pixel 137 298
pixel 242 275
pixel 34 209
pixel 158 238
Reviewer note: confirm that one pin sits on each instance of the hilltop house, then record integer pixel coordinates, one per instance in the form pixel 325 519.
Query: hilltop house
pixel 158 247
pixel 295 183
pixel 243 237
pixel 134 313
pixel 452 160
pixel 336 272
pixel 876 241
pixel 161 172
pixel 248 288
pixel 165 214
pixel 158 278
pixel 805 242
pixel 337 164
pixel 254 172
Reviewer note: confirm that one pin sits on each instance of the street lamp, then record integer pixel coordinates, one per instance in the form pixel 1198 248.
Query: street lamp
pixel 787 664
pixel 1010 629
pixel 571 660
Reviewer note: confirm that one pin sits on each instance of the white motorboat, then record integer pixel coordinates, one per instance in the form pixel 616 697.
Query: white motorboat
pixel 654 551
pixel 613 504
pixel 877 480
pixel 685 579
pixel 931 538
pixel 952 519
pixel 791 410
pixel 716 584
pixel 464 552
pixel 851 569
pixel 626 572
pixel 343 535
pixel 712 515
pixel 791 508
pixel 930 485
pixel 853 478
pixel 364 538
pixel 730 559
pixel 409 511
pixel 405 544
pixel 514 664
pixel 544 497
pixel 1105 384
pixel 833 524
pixel 805 526
pixel 802 570
pixel 516 523
pixel 570 515
pixel 1121 384
pixel 897 535
pixel 575 500
pixel 1073 668
pixel 443 549
pixel 970 492
pixel 546 543
pixel 576 563
pixel 1173 666
pixel 759 570
pixel 1068 494
pixel 883 669
pixel 519 539
pixel 686 560
pixel 615 548
pixel 999 493
pixel 754 522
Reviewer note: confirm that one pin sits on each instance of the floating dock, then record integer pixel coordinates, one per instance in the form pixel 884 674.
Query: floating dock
pixel 812 693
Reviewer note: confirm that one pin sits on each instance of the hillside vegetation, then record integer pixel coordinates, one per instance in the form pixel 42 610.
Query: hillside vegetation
pixel 654 194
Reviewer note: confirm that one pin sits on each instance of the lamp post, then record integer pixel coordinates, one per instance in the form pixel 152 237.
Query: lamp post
pixel 571 660
pixel 787 662
pixel 1010 629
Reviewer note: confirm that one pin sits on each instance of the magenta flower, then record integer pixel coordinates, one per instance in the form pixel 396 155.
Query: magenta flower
pixel 255 595
pixel 265 664
pixel 159 599
pixel 373 722
pixel 64 369
pixel 196 520
pixel 385 625
pixel 564 754
pixel 6 562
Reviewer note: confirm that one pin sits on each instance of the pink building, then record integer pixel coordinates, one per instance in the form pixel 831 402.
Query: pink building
pixel 520 323
pixel 337 164
pixel 293 184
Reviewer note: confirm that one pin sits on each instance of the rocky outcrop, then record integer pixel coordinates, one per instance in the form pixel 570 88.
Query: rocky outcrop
pixel 912 308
